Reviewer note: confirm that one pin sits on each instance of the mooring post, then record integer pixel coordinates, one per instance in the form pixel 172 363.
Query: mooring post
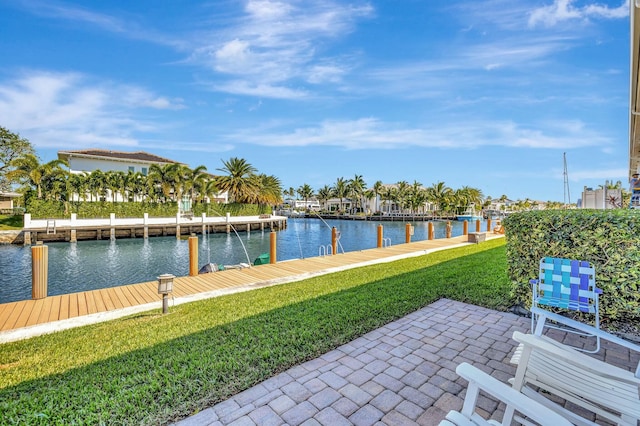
pixel 407 233
pixel 449 229
pixel 465 227
pixel 334 240
pixel 273 252
pixel 145 219
pixel 39 271
pixel 193 256
pixel 380 234
pixel 488 224
pixel 73 237
pixel 430 231
pixel 478 225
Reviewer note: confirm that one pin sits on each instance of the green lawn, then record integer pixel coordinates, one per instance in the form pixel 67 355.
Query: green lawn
pixel 154 369
pixel 8 223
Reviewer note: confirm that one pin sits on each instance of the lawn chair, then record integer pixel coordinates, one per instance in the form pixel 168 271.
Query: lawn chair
pixel 570 285
pixel 548 370
pixel 480 381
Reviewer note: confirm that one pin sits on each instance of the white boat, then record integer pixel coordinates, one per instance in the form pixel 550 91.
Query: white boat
pixel 470 214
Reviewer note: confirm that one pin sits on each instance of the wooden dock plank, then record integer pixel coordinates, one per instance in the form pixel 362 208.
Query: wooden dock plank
pixel 46 309
pixel 11 314
pixel 64 307
pixel 54 315
pixel 35 309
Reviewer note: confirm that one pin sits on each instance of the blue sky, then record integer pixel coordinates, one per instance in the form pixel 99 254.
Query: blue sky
pixel 488 94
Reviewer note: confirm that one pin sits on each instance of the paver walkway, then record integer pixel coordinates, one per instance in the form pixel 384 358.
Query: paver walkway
pixel 400 374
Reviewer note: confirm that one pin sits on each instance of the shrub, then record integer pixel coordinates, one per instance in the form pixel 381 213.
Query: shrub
pixel 43 209
pixel 609 239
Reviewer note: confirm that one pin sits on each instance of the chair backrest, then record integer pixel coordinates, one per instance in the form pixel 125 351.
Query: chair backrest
pixel 567 283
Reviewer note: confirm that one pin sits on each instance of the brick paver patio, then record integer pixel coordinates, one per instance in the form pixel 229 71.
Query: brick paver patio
pixel 400 374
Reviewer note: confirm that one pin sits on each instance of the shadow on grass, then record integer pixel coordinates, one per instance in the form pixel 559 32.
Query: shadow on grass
pixel 176 378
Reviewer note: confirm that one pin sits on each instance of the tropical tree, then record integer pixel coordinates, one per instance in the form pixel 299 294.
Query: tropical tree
pixel 115 182
pixel 239 182
pixel 305 192
pixel 356 188
pixel 402 194
pixel 269 190
pixel 30 172
pixel 324 194
pixel 162 176
pixel 340 189
pixel 440 195
pixel 12 147
pixel 377 188
pixel 97 184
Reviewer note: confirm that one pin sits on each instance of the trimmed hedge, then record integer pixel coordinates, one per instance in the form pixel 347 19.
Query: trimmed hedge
pixel 609 239
pixel 41 209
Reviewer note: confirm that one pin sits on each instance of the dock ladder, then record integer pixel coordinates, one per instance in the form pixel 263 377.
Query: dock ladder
pixel 51 226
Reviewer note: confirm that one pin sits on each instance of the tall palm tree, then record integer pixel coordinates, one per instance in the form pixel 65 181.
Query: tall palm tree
pixel 377 188
pixel 29 171
pixel 162 176
pixel 440 195
pixel 340 190
pixel 402 194
pixel 239 181
pixel 305 192
pixel 115 182
pixel 269 190
pixel 97 184
pixel 357 186
pixel 324 194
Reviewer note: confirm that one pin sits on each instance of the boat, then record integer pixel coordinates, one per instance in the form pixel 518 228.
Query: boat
pixel 470 214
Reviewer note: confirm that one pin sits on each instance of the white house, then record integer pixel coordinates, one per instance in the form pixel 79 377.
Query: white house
pixel 105 160
pixel 87 161
pixel 6 200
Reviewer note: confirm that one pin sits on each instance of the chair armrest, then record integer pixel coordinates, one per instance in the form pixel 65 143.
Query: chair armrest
pixel 508 395
pixel 578 360
pixel 544 315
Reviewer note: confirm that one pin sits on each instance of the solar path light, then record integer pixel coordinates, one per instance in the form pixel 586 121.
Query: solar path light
pixel 165 286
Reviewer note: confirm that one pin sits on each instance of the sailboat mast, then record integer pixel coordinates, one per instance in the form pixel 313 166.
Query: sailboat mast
pixel 567 194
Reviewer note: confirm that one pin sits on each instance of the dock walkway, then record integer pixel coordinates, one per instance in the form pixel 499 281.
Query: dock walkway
pixel 26 318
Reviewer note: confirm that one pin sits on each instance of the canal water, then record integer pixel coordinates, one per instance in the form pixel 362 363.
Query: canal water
pixel 90 265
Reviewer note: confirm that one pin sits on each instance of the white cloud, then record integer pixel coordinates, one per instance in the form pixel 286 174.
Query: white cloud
pixel 66 109
pixel 564 10
pixel 279 44
pixel 371 133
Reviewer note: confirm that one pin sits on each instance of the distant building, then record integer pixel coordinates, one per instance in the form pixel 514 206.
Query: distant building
pixel 601 198
pixel 6 200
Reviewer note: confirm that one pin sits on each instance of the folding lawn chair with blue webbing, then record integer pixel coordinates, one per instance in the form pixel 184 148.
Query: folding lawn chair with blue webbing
pixel 567 284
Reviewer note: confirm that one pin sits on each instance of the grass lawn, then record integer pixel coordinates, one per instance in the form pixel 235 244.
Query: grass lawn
pixel 154 369
pixel 8 223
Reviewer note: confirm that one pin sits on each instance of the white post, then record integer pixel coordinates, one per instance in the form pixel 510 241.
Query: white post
pixel 27 220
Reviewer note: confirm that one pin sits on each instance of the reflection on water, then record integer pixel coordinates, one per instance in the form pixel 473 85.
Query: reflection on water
pixel 89 265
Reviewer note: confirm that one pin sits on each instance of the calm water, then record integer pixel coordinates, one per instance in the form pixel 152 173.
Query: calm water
pixel 89 265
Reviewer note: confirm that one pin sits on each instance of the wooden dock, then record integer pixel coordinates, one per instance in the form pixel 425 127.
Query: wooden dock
pixel 65 311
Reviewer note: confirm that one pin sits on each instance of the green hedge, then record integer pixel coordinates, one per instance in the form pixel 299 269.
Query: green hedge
pixel 609 239
pixel 41 209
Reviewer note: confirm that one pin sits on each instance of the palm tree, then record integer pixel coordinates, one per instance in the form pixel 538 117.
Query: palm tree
pixel 440 195
pixel 97 184
pixel 239 182
pixel 377 187
pixel 270 190
pixel 324 194
pixel 29 171
pixel 162 176
pixel 115 181
pixel 305 192
pixel 357 186
pixel 340 190
pixel 402 193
